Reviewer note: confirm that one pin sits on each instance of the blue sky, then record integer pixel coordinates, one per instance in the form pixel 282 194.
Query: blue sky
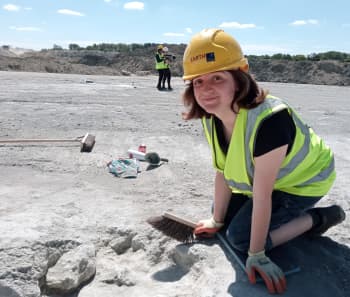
pixel 261 26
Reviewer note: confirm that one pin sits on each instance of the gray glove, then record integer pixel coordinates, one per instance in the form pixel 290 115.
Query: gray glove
pixel 272 275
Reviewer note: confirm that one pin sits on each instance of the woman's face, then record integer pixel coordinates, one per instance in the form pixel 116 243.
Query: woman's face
pixel 215 91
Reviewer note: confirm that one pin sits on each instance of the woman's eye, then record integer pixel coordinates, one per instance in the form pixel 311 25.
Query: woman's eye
pixel 197 83
pixel 217 78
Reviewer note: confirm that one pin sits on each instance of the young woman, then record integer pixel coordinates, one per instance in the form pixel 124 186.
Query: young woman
pixel 271 168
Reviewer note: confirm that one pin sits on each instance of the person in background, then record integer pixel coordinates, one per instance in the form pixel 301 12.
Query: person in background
pixel 161 67
pixel 271 168
pixel 167 71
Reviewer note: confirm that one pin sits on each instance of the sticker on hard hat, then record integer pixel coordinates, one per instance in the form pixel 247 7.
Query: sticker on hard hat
pixel 209 57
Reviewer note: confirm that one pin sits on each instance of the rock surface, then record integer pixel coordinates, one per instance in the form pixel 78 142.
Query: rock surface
pixel 72 270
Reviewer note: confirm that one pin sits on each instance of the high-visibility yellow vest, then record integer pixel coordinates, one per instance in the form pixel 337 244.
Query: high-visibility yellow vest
pixel 308 169
pixel 162 64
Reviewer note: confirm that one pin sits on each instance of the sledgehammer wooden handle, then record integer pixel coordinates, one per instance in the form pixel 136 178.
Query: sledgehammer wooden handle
pixel 37 140
pixel 179 220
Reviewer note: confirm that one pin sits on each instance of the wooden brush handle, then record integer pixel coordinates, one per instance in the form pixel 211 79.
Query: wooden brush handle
pixel 180 220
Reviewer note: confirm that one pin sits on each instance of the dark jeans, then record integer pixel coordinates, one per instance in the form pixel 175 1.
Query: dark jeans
pixel 161 77
pixel 167 77
pixel 285 207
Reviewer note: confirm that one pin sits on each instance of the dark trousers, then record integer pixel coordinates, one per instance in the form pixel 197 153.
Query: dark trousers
pixel 285 207
pixel 161 77
pixel 167 77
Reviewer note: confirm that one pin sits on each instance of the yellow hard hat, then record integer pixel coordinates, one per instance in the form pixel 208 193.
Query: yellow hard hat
pixel 160 46
pixel 212 50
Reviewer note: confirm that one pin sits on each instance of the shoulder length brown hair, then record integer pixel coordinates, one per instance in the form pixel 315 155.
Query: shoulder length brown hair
pixel 248 95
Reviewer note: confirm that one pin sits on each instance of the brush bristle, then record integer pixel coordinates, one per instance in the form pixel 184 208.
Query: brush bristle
pixel 173 229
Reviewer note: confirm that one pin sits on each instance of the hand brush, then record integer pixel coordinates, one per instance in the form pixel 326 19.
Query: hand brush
pixel 182 230
pixel 174 227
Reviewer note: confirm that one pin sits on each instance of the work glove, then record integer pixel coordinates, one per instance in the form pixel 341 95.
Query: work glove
pixel 272 275
pixel 207 228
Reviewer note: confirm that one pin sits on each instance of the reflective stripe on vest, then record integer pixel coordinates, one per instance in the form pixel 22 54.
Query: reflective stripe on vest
pixel 162 64
pixel 323 175
pixel 299 157
pixel 273 105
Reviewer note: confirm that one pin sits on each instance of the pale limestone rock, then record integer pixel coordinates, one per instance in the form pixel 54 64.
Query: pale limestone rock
pixel 121 244
pixel 72 269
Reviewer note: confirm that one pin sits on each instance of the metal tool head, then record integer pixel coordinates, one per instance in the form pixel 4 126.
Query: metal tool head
pixel 153 159
pixel 87 143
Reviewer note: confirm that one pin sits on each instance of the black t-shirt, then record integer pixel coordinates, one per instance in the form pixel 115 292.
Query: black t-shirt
pixel 274 132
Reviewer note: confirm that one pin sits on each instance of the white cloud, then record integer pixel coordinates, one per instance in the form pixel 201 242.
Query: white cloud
pixel 134 5
pixel 188 30
pixel 70 12
pixel 304 22
pixel 107 1
pixel 11 7
pixel 174 34
pixel 27 29
pixel 298 23
pixel 236 25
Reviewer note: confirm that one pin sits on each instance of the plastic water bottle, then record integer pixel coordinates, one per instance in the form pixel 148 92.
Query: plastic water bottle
pixel 136 154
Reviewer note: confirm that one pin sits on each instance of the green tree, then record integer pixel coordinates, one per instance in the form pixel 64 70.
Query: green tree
pixel 299 58
pixel 57 47
pixel 74 47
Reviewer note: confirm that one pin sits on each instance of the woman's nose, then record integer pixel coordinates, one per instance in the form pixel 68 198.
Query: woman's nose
pixel 207 86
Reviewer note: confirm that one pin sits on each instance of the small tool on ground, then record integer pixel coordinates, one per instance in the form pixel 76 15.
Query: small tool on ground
pixel 152 157
pixel 87 141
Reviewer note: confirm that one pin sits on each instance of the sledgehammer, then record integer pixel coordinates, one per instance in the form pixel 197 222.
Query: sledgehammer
pixel 87 141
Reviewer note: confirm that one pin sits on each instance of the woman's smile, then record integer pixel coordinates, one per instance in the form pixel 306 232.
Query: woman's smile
pixel 209 103
pixel 209 99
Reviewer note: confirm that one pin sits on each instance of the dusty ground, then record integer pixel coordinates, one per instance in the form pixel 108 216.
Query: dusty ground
pixel 54 196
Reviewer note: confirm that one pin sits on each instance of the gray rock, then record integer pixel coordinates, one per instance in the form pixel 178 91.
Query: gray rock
pixel 121 244
pixel 72 270
pixel 6 291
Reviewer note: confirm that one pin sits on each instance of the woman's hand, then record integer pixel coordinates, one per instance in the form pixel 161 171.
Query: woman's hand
pixel 207 228
pixel 272 275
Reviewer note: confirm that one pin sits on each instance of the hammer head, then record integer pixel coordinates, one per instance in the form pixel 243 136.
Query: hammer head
pixel 152 158
pixel 87 143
